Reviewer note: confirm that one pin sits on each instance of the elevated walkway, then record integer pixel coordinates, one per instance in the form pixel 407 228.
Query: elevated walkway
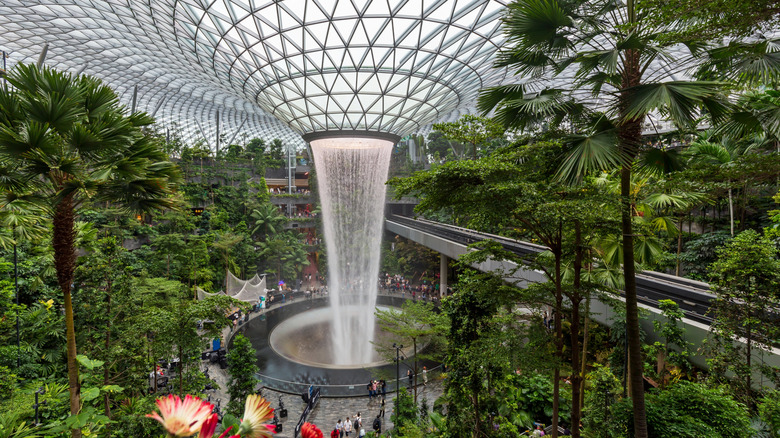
pixel 693 297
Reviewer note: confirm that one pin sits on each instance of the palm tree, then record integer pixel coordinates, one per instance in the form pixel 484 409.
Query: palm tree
pixel 284 251
pixel 755 118
pixel 267 220
pixel 297 258
pixel 619 70
pixel 654 208
pixel 665 205
pixel 708 152
pixel 70 141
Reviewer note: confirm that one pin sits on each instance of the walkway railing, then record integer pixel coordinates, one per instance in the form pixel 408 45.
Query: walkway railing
pixel 356 390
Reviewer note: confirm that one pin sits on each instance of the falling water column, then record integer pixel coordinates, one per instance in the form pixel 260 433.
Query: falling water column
pixel 351 176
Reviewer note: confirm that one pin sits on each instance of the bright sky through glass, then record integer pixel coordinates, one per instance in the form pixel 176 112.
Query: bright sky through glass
pixel 272 68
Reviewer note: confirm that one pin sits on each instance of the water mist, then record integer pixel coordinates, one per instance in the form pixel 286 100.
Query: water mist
pixel 351 176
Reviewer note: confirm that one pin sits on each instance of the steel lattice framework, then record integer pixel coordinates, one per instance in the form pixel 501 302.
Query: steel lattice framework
pixel 271 68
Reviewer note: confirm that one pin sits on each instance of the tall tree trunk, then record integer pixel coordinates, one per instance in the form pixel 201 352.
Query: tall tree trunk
pixel 414 346
pixel 731 211
pixel 749 362
pixel 106 376
pixel 630 134
pixel 576 298
pixel 744 207
pixel 679 246
pixel 585 339
pixel 154 364
pixel 558 339
pixel 475 386
pixel 63 241
pixel 181 372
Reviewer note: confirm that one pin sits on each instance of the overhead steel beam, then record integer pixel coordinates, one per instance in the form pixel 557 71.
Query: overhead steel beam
pixel 42 56
pixel 203 133
pixel 237 131
pixel 135 99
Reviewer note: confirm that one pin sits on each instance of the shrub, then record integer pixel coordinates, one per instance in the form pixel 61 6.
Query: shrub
pixel 769 411
pixel 7 383
pixel 404 411
pixel 686 410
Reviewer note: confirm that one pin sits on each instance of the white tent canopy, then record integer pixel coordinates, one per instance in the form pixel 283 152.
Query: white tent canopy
pixel 249 291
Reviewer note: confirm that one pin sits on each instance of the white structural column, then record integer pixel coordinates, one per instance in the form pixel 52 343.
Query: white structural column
pixel 444 261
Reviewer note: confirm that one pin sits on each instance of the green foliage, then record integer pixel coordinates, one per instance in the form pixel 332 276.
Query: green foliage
pixel 769 410
pixel 12 426
pixel 7 383
pixel 42 338
pixel 699 254
pixel 132 307
pixel 746 279
pixel 266 220
pixel 408 258
pixel 242 368
pixel 602 391
pixel 416 324
pixel 404 411
pixel 478 352
pixel 474 130
pixel 675 350
pixel 535 396
pixel 705 19
pixel 686 410
pixel 285 254
pixel 773 232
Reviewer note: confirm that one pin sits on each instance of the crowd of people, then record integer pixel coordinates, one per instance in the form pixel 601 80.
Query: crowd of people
pixel 355 424
pixel 284 191
pixel 311 240
pixel 399 284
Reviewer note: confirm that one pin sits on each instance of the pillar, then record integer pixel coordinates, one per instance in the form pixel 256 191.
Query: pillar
pixel 444 261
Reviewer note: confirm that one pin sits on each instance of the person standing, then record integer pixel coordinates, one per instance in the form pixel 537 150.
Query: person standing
pixel 377 425
pixel 383 384
pixel 425 376
pixel 409 375
pixel 347 426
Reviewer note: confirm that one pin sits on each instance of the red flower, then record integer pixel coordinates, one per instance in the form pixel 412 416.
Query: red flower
pixel 309 430
pixel 210 425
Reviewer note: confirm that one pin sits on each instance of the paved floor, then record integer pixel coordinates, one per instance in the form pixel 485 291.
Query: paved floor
pixel 329 410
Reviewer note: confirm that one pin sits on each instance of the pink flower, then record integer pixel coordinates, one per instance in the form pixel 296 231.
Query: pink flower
pixel 182 418
pixel 210 425
pixel 257 413
pixel 309 430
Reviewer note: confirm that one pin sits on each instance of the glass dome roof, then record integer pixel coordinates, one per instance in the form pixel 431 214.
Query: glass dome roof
pixel 272 68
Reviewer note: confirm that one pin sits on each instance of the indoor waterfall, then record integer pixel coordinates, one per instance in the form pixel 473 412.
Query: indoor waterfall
pixel 351 176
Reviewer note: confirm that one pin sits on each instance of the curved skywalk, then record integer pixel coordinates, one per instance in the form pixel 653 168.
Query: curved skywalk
pixel 271 68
